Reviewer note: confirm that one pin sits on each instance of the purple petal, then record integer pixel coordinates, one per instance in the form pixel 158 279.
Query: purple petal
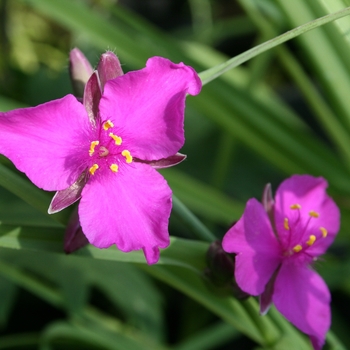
pixel 130 208
pixel 257 249
pixel 80 71
pixel 108 68
pixel 165 162
pixel 74 238
pixel 48 142
pixel 92 97
pixel 64 198
pixel 149 105
pixel 310 193
pixel 302 296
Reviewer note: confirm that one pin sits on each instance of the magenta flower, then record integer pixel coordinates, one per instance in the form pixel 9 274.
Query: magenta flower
pixel 275 244
pixel 105 151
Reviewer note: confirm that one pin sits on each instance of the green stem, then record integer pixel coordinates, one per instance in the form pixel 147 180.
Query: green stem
pixel 268 330
pixel 199 230
pixel 325 115
pixel 214 72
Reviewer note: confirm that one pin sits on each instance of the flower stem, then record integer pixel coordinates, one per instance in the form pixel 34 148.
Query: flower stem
pixel 214 72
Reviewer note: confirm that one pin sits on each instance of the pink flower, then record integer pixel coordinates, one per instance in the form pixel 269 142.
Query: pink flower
pixel 105 151
pixel 275 244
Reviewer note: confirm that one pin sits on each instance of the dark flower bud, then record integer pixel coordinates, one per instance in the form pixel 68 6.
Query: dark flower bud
pixel 219 274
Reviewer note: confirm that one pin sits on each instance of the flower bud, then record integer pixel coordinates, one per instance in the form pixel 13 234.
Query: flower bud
pixel 74 238
pixel 220 272
pixel 80 71
pixel 108 68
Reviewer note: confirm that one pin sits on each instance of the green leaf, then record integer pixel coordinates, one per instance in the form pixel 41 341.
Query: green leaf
pixel 202 198
pixel 181 252
pixel 8 292
pixel 239 314
pixel 28 192
pixel 209 338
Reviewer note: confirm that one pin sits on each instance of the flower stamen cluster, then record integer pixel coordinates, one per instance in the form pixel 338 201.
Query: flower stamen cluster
pixel 109 153
pixel 308 241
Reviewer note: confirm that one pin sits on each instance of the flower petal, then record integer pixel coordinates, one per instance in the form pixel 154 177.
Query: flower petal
pixel 302 296
pixel 310 193
pixel 257 249
pixel 108 68
pixel 48 142
pixel 130 208
pixel 149 104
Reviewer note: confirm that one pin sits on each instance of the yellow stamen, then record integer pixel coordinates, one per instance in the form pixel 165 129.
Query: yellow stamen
pixel 314 214
pixel 93 169
pixel 295 206
pixel 107 125
pixel 114 168
pixel 311 240
pixel 286 224
pixel 297 248
pixel 117 139
pixel 127 155
pixel 92 147
pixel 324 232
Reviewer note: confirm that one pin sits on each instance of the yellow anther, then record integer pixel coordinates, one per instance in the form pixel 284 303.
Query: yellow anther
pixel 311 240
pixel 314 214
pixel 127 155
pixel 114 168
pixel 92 147
pixel 93 169
pixel 107 125
pixel 295 206
pixel 297 248
pixel 324 232
pixel 118 140
pixel 286 224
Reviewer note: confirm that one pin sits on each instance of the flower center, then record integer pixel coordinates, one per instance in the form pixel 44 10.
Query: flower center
pixel 106 152
pixel 304 242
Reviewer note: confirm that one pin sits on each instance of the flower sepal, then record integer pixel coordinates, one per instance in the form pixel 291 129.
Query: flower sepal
pixel 164 162
pixel 64 198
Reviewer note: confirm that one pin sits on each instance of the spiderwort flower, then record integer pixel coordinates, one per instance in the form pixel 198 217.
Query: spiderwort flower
pixel 275 244
pixel 105 151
